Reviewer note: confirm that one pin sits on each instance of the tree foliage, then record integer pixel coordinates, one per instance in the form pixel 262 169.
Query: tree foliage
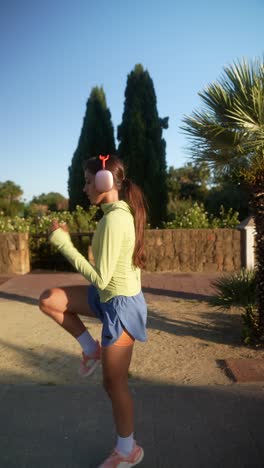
pixel 195 183
pixel 10 195
pixel 228 133
pixel 97 137
pixel 230 195
pixel 141 144
pixel 53 200
pixel 189 181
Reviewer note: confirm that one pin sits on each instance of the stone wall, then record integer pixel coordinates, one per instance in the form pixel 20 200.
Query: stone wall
pixel 179 250
pixel 196 250
pixel 14 253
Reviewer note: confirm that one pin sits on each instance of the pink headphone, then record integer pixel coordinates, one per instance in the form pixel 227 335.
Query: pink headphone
pixel 104 179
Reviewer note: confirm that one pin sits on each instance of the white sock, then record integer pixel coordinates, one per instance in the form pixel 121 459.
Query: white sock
pixel 87 343
pixel 125 445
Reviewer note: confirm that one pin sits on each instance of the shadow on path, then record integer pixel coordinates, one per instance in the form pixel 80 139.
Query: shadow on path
pixel 72 426
pixel 18 298
pixel 154 291
pixel 45 364
pixel 176 294
pixel 215 326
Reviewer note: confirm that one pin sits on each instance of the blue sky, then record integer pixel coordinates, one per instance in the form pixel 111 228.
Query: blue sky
pixel 54 52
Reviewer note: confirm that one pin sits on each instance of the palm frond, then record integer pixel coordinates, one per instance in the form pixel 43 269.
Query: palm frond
pixel 230 128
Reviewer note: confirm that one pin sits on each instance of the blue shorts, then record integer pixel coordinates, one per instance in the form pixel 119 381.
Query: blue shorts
pixel 121 312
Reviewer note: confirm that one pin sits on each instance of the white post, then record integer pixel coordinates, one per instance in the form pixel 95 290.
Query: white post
pixel 250 251
pixel 248 226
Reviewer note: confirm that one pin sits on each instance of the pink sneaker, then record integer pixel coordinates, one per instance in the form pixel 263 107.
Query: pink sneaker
pixel 116 460
pixel 89 363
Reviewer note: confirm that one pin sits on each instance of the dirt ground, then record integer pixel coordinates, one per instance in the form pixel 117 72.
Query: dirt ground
pixel 187 340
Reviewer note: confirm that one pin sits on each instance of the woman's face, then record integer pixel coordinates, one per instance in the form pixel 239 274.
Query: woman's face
pixel 96 198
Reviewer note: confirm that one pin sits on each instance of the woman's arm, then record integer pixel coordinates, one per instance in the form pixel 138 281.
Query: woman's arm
pixel 110 238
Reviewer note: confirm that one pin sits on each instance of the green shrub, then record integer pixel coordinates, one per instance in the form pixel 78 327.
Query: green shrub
pixel 196 217
pixel 178 207
pixel 77 221
pixel 42 253
pixel 239 290
pixel 225 219
pixel 15 224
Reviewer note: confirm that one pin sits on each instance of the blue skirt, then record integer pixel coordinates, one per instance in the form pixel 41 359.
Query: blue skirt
pixel 129 312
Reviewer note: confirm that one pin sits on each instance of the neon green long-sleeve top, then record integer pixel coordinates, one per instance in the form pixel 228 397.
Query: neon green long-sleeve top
pixel 113 245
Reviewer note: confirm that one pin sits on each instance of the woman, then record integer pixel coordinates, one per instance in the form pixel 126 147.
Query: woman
pixel 114 297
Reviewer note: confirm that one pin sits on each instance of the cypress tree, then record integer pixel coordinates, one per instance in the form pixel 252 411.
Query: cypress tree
pixel 97 137
pixel 141 146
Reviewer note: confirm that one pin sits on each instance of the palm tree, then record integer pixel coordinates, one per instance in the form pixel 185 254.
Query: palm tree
pixel 228 134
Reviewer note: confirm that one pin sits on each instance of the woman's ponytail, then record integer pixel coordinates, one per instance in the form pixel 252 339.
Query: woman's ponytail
pixel 133 195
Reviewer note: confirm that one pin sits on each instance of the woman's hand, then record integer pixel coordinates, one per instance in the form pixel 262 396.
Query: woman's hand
pixel 56 225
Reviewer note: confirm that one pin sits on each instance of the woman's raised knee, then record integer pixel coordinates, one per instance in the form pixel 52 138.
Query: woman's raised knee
pixel 47 300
